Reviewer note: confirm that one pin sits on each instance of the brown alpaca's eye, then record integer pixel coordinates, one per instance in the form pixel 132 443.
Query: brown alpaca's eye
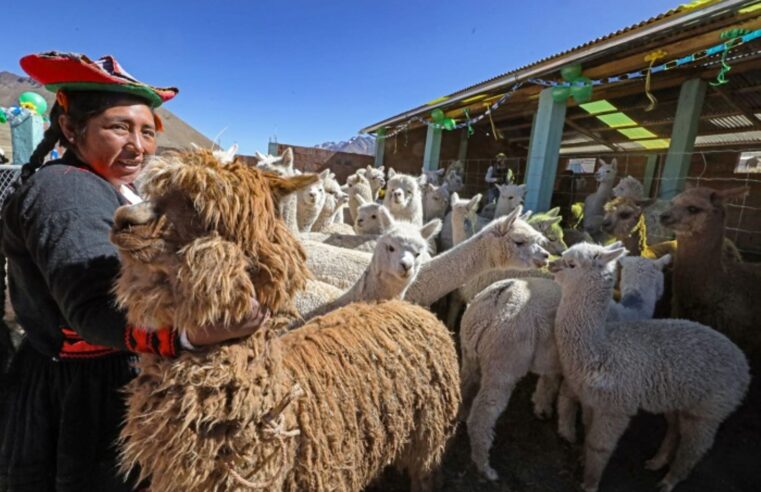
pixel 625 215
pixel 519 243
pixel 693 210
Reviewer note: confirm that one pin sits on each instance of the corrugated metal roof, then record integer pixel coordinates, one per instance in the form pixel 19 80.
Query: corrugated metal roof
pixel 681 19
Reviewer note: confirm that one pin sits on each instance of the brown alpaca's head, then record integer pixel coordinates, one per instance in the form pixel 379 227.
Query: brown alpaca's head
pixel 699 210
pixel 206 240
pixel 622 215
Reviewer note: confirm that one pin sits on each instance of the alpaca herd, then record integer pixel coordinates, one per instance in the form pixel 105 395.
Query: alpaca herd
pixel 355 372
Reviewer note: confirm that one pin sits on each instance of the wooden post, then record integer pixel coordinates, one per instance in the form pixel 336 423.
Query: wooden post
pixel 432 148
pixel 462 152
pixel 26 133
pixel 647 182
pixel 683 135
pixel 544 151
pixel 380 146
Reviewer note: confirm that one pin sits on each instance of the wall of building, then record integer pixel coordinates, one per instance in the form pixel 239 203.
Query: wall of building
pixel 314 160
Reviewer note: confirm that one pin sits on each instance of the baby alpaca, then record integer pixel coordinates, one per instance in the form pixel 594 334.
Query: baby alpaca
pixel 394 265
pixel 548 224
pixel 693 374
pixel 376 178
pixel 403 198
pixel 368 219
pixel 594 203
pixel 311 201
pixel 510 196
pixel 435 201
pixel 359 192
pixel 433 176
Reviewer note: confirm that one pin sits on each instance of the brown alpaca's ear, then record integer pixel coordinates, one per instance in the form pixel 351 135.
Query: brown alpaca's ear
pixel 730 194
pixel 644 202
pixel 282 187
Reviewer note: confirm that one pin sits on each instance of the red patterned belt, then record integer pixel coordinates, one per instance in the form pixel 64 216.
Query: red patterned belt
pixel 74 347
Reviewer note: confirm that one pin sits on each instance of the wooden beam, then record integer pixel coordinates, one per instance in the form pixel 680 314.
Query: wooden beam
pixel 544 151
pixel 591 135
pixel 432 149
pixel 682 138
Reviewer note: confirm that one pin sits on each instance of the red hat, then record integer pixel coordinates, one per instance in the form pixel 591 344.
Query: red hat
pixel 72 71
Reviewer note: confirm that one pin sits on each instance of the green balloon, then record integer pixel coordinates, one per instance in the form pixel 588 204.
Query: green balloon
pixel 449 123
pixel 571 72
pixel 39 102
pixel 3 118
pixel 437 115
pixel 560 93
pixel 581 91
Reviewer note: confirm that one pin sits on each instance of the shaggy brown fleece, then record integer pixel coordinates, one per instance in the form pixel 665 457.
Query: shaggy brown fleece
pixel 324 407
pixel 206 239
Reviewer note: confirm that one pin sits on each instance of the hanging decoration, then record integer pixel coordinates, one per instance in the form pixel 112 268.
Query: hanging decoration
pixel 652 58
pixel 493 126
pixel 576 85
pixel 732 36
pixel 33 102
pixel 470 127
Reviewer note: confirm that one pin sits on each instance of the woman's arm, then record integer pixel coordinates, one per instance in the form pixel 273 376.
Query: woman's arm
pixel 490 175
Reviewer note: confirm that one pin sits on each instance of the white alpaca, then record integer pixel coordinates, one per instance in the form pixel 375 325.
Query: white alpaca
pixel 368 219
pixel 594 203
pixel 394 265
pixel 339 267
pixel 359 191
pixel 357 242
pixel 435 201
pixel 629 186
pixel 310 202
pixel 282 165
pixel 691 373
pixel 434 176
pixel 455 176
pixel 507 242
pixel 376 178
pixel 510 197
pixel 403 198
pixel 461 221
pixel 332 209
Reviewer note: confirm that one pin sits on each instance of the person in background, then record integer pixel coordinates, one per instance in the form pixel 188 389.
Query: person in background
pixel 62 405
pixel 497 174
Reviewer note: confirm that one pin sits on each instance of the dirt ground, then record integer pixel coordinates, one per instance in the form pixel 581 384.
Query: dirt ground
pixel 530 456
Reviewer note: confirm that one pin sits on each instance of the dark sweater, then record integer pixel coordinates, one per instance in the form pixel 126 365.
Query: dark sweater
pixel 61 265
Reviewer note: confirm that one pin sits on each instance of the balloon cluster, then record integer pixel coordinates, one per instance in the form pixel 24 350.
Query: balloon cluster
pixel 440 119
pixel 576 86
pixel 28 102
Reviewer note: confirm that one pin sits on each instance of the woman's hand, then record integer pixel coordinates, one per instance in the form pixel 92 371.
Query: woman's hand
pixel 214 335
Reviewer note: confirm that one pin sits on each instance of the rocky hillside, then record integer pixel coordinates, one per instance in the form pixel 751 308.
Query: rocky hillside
pixel 361 144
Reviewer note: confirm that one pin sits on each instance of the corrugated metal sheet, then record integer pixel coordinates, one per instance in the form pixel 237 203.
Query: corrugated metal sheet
pixel 731 122
pixel 751 137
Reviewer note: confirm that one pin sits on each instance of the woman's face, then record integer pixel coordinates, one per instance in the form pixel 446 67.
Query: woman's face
pixel 116 142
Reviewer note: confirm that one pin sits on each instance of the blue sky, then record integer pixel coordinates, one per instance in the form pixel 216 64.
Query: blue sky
pixel 309 71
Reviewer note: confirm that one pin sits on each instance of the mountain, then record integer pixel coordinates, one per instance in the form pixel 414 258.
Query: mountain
pixel 361 144
pixel 177 134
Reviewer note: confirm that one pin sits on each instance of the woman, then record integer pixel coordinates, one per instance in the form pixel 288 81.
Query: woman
pixel 62 408
pixel 497 174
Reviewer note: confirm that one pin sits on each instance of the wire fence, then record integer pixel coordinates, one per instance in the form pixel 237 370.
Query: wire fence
pixel 8 174
pixel 712 168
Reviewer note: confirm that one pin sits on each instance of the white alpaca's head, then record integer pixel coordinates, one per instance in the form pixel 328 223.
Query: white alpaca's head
pixel 586 264
pixel 375 176
pixel 465 208
pixel 357 180
pixel 511 243
pixel 433 177
pixel 454 181
pixel 368 218
pixel 548 224
pixel 314 194
pixel 282 164
pixel 402 190
pixel 510 196
pixel 629 187
pixel 643 274
pixel 401 250
pixel 606 173
pixel 435 200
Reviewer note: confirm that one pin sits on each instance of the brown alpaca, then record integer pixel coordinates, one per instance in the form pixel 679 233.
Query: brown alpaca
pixel 625 220
pixel 706 287
pixel 324 407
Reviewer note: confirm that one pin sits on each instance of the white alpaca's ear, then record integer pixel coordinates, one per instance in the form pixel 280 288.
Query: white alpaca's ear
pixel 230 154
pixel 385 218
pixel 614 163
pixel 610 255
pixel 360 199
pixel 431 229
pixel 663 261
pixel 454 198
pixel 194 146
pixel 440 172
pixel 522 189
pixel 361 172
pixel 391 172
pixel 475 201
pixel 427 187
pixel 258 156
pixel 526 215
pixel 555 220
pixel 554 212
pixel 325 174
pixel 287 158
pixel 507 222
pixel 382 168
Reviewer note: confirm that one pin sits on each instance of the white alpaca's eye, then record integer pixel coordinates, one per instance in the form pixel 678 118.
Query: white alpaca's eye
pixel 519 243
pixel 391 249
pixel 571 265
pixel 373 217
